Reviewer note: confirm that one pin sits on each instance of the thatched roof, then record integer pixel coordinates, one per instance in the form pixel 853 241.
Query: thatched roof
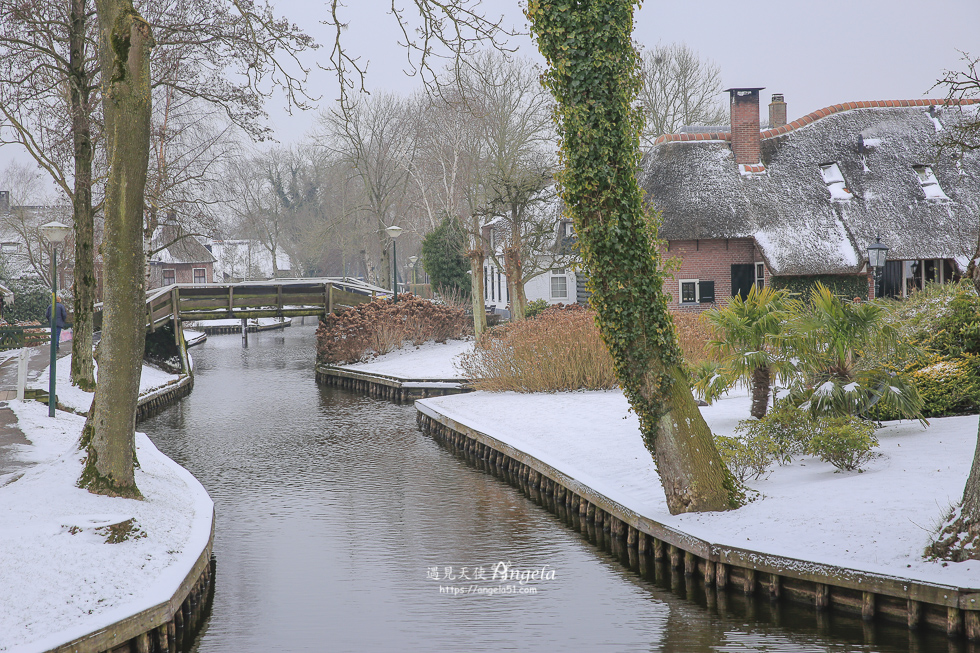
pixel 810 217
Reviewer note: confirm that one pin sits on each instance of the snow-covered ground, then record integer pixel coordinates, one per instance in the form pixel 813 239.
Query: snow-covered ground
pixel 877 521
pixel 60 578
pixel 78 400
pixel 429 361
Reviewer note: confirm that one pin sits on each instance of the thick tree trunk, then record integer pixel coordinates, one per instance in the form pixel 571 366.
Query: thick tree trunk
pixel 593 74
pixel 515 287
pixel 760 392
pixel 125 43
pixel 970 509
pixel 476 293
pixel 82 369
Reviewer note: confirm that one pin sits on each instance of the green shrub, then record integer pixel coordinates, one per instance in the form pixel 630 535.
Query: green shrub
pixel 534 308
pixel 31 297
pixel 787 428
pixel 949 386
pixel 748 457
pixel 443 258
pixel 844 442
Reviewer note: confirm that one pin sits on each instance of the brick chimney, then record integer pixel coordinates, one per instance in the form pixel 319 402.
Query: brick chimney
pixel 777 111
pixel 4 201
pixel 745 124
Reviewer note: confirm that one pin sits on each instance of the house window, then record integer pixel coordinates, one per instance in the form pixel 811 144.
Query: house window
pixel 169 277
pixel 760 275
pixel 689 291
pixel 569 229
pixel 834 181
pixel 929 183
pixel 559 284
pixel 200 275
pixel 10 248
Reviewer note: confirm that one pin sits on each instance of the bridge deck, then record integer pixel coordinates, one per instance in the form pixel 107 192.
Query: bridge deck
pixel 253 299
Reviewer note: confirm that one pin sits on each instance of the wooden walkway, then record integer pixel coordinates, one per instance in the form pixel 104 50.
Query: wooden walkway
pixel 252 299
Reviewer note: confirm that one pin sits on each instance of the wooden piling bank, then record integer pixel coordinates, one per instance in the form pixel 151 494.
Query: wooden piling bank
pixel 164 628
pixel 869 596
pixel 152 404
pixel 226 329
pixel 391 388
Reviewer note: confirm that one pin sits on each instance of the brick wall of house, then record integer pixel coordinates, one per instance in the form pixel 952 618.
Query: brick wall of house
pixel 184 273
pixel 709 260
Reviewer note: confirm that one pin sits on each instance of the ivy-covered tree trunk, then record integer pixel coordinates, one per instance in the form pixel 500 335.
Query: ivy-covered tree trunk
pixel 593 74
pixel 82 369
pixel 125 42
pixel 760 392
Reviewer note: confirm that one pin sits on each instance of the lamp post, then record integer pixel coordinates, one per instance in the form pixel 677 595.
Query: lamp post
pixel 877 254
pixel 411 264
pixel 55 233
pixel 394 231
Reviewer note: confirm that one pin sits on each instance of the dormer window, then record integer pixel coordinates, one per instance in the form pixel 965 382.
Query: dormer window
pixel 834 180
pixel 929 183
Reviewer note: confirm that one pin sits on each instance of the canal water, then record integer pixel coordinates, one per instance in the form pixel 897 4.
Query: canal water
pixel 340 527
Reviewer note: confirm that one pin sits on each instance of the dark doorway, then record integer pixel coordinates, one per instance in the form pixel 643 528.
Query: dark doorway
pixel 743 278
pixel 890 284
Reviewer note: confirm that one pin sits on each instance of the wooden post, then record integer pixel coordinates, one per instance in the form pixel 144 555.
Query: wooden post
pixel 971 619
pixel 244 332
pixel 658 549
pixel 915 614
pixel 631 537
pixel 721 575
pixel 748 582
pixel 822 596
pixel 690 563
pixel 954 622
pixel 774 587
pixel 868 606
pixel 675 557
pixel 142 643
pixel 709 573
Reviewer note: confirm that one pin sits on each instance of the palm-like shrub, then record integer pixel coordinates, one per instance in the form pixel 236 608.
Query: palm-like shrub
pixel 748 346
pixel 829 339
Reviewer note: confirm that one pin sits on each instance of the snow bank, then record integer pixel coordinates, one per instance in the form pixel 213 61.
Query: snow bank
pixel 60 579
pixel 877 521
pixel 429 361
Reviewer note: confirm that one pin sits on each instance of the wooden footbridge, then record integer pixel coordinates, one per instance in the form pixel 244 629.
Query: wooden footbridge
pixel 254 299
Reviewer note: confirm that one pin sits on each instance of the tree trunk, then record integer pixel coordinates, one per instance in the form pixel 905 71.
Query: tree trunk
pixel 970 510
pixel 476 292
pixel 760 392
pixel 125 42
pixel 515 287
pixel 593 74
pixel 82 368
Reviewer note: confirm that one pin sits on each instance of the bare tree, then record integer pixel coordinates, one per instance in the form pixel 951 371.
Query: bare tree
pixel 376 138
pixel 29 207
pixel 678 88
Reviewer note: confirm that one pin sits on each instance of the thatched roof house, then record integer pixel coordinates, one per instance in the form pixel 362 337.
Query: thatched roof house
pixel 802 201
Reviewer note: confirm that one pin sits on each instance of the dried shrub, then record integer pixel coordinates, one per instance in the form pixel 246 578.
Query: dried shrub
pixel 693 333
pixel 382 325
pixel 559 350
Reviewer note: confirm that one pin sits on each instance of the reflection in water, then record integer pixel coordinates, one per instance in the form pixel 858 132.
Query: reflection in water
pixel 335 515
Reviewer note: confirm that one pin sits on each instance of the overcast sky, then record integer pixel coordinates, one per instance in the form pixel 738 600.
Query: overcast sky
pixel 816 54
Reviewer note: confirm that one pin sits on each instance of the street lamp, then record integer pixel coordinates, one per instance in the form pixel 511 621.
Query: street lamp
pixel 877 253
pixel 55 233
pixel 394 232
pixel 411 264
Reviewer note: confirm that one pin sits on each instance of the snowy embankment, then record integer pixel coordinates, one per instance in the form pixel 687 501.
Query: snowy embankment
pixel 74 398
pixel 61 580
pixel 428 361
pixel 877 521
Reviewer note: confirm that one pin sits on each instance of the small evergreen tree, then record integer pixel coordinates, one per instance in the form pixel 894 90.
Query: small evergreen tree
pixel 443 257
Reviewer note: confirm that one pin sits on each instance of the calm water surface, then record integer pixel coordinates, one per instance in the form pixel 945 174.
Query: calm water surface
pixel 337 520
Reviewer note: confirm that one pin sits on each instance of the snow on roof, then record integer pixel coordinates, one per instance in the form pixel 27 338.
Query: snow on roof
pixel 800 227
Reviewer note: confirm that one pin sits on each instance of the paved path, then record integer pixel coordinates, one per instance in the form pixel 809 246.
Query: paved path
pixel 10 434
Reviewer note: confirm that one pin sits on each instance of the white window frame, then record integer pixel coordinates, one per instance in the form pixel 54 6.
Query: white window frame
pixel 555 276
pixel 680 292
pixel 760 279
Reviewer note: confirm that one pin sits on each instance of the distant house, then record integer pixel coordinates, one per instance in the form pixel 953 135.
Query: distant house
pixel 241 260
pixel 801 202
pixel 178 259
pixel 556 284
